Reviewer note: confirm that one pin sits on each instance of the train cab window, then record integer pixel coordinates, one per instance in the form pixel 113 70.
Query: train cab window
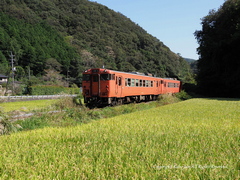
pixel 137 82
pixel 105 77
pixel 95 78
pixel 95 70
pixel 144 83
pixel 162 82
pixel 86 77
pixel 116 80
pixel 129 82
pixel 141 83
pixel 133 82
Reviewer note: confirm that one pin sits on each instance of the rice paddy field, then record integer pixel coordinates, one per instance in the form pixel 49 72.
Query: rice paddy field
pixel 26 105
pixel 193 139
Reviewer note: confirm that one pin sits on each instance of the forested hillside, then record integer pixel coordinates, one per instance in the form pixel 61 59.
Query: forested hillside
pixel 219 40
pixel 78 34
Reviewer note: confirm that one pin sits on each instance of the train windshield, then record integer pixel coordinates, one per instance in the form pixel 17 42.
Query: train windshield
pixel 86 77
pixel 106 77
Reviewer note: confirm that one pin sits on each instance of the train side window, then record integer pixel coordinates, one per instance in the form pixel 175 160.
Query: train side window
pixel 113 77
pixel 129 82
pixel 157 83
pixel 133 82
pixel 126 81
pixel 161 82
pixel 140 83
pixel 171 85
pixel 144 83
pixel 119 81
pixel 116 80
pixel 137 84
pixel 151 83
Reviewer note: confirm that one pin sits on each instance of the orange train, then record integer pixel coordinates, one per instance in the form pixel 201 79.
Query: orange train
pixel 103 87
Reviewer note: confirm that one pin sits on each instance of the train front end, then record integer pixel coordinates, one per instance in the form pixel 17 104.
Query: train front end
pixel 96 86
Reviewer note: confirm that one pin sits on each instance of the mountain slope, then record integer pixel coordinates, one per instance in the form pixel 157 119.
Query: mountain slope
pixel 98 35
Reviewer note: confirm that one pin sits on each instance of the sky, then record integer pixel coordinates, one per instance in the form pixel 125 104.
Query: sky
pixel 171 21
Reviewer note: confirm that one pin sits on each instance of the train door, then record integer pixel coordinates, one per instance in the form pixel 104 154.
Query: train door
pixel 157 86
pixel 118 86
pixel 95 89
pixel 161 84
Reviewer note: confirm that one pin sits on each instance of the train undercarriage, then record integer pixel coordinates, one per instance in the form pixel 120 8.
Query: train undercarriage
pixel 97 101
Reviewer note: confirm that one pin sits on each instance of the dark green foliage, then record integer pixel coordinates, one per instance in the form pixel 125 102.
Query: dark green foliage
pixel 219 40
pixel 33 44
pixel 51 90
pixel 99 36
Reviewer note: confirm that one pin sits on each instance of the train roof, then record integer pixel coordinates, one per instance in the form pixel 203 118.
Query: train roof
pixel 132 73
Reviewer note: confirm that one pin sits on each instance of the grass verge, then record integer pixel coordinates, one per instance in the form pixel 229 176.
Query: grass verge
pixel 65 112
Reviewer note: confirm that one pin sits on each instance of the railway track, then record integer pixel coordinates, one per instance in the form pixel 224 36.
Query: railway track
pixel 29 98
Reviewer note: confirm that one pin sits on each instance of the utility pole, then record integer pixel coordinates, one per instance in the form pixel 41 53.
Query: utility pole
pixel 13 69
pixel 29 74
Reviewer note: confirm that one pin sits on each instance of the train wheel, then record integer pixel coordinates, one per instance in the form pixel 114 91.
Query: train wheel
pixel 138 99
pixel 90 106
pixel 119 101
pixel 114 102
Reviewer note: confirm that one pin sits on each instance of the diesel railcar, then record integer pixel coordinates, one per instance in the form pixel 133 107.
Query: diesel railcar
pixel 103 87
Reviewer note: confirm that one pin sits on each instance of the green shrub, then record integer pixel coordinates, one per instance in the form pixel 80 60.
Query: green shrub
pixel 167 99
pixel 182 95
pixel 51 90
pixel 65 103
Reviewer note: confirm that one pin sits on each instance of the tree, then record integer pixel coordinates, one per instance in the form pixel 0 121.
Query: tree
pixel 52 77
pixel 219 44
pixel 80 34
pixel 52 63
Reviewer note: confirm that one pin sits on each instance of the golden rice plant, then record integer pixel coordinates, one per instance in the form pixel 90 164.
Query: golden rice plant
pixel 194 139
